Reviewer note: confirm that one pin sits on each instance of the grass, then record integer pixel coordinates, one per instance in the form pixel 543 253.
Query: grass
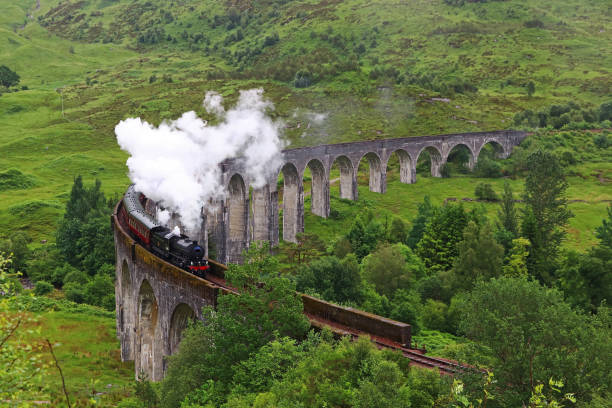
pixel 81 85
pixel 87 349
pixel 589 194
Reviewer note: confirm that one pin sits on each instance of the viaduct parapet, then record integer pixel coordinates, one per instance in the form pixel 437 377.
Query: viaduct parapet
pixel 248 215
pixel 154 302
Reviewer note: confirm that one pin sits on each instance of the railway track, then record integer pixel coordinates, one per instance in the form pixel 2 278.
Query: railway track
pixel 421 360
pixel 417 358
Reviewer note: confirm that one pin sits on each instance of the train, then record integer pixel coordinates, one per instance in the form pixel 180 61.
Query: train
pixel 176 248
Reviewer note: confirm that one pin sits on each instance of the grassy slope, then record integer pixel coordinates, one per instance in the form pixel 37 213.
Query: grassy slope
pixel 101 83
pixel 402 200
pixel 87 349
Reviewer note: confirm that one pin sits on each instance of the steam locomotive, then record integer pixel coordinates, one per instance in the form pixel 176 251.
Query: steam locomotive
pixel 175 248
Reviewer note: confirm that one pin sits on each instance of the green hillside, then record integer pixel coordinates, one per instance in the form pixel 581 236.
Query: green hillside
pixel 375 69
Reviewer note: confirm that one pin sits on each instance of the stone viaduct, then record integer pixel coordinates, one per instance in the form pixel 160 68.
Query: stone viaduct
pixel 155 300
pixel 248 215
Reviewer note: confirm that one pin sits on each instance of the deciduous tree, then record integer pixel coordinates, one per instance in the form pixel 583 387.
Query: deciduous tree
pixel 21 366
pixel 533 335
pixel 392 267
pixel 480 256
pixel 334 279
pixel 267 307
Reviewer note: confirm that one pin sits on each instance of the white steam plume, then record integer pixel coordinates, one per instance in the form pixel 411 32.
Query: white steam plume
pixel 177 163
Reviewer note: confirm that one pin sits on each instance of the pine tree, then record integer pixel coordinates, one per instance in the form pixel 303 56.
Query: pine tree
pixel 424 214
pixel 545 214
pixel 507 224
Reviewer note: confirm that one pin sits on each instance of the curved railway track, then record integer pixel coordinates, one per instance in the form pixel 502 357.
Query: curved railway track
pixel 325 314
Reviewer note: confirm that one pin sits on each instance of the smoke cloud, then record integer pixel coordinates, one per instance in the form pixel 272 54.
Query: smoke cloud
pixel 177 163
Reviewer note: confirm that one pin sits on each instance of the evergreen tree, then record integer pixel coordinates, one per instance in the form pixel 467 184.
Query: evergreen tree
pixel 8 77
pixel 480 256
pixel 507 220
pixel 365 234
pixel 424 214
pixel 84 236
pixel 545 213
pixel 604 231
pixel 516 265
pixel 586 278
pixel 530 88
pixel 398 232
pixel 438 246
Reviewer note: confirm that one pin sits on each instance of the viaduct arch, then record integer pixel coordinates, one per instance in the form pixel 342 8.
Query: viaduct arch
pixel 155 300
pixel 154 303
pixel 243 218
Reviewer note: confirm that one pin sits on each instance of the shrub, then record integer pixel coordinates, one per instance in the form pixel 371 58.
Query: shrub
pixel 302 79
pixel 605 111
pixel 567 158
pixel 445 170
pixel 601 141
pixel 434 315
pixel 485 192
pixel 488 168
pixel 100 292
pixel 74 292
pixel 535 23
pixel 77 277
pixel 271 39
pixel 42 288
pixel 8 77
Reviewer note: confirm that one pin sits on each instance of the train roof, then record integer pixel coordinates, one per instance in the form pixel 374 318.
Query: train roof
pixel 133 206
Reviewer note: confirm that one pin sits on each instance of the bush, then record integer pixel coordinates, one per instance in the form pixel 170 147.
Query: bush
pixel 485 192
pixel 535 23
pixel 76 276
pixel 8 77
pixel 601 141
pixel 100 291
pixel 74 292
pixel 445 170
pixel 434 315
pixel 488 168
pixel 302 79
pixel 271 40
pixel 567 158
pixel 605 111
pixel 42 288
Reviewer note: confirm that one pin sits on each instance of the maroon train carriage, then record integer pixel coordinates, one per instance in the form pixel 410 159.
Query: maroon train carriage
pixel 177 249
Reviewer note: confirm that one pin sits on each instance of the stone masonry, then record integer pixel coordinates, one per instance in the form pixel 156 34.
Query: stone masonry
pixel 248 215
